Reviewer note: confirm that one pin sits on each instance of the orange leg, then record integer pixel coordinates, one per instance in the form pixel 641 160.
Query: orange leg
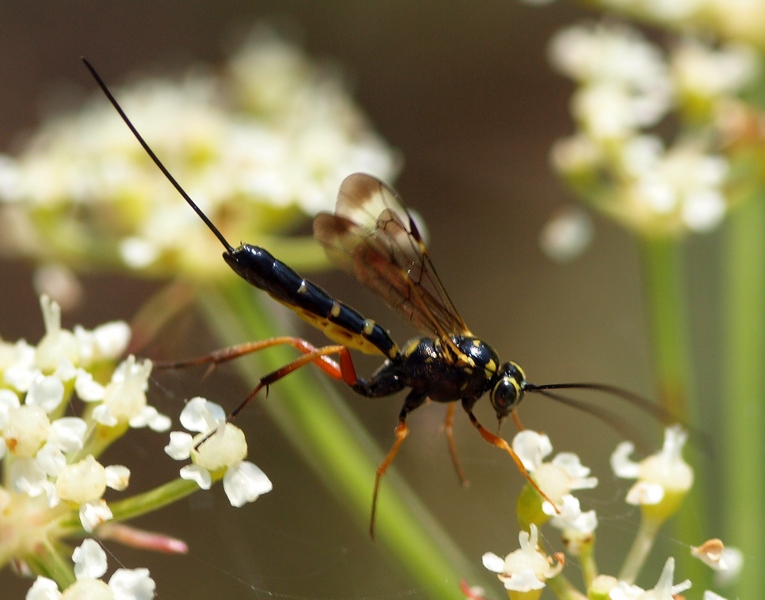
pixel 517 420
pixel 413 400
pixel 401 432
pixel 452 446
pixel 347 373
pixel 500 443
pixel 326 364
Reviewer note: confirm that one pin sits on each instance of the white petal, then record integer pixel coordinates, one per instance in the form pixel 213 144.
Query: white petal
pixel 734 562
pixel 87 389
pixel 180 445
pixel 27 477
pixel 50 459
pixel 89 560
pixel 621 464
pixel 132 584
pixel 525 581
pixel 571 463
pixel 493 562
pixel 43 589
pixel 67 433
pixel 104 416
pixel 244 482
pixel 46 392
pixel 645 493
pixel 149 416
pixel 66 371
pixel 20 376
pixel 54 499
pixel 198 474
pixel 111 339
pixel 93 514
pixel 117 477
pixel 201 415
pixel 8 402
pixel 531 447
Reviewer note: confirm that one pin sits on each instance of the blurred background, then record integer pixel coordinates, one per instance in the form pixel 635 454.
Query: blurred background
pixel 463 90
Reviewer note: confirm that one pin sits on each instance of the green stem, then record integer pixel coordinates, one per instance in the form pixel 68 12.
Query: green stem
pixel 135 506
pixel 340 451
pixel 589 566
pixel 48 560
pixel 564 589
pixel 664 268
pixel 669 323
pixel 641 546
pixel 744 390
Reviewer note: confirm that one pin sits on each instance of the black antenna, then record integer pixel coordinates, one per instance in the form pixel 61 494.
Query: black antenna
pixel 613 420
pixel 655 410
pixel 229 248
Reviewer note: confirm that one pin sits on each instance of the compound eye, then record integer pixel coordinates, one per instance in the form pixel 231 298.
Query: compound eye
pixel 505 396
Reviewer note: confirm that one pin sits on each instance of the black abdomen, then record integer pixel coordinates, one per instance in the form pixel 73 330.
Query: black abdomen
pixel 338 321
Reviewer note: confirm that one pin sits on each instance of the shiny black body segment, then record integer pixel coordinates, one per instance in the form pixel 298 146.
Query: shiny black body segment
pixel 260 268
pixel 426 367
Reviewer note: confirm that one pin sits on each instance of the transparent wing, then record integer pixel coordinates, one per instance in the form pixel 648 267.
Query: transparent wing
pixel 372 236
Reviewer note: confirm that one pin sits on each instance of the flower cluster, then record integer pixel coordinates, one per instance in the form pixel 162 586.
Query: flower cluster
pixel 267 138
pixel 51 459
pixel 626 86
pixel 663 479
pixel 54 481
pixel 89 566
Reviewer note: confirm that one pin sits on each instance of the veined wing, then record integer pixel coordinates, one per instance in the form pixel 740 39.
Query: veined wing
pixel 373 237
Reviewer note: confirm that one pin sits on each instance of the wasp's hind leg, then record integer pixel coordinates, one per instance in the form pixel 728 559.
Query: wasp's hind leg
pixel 413 400
pixel 326 364
pixel 344 370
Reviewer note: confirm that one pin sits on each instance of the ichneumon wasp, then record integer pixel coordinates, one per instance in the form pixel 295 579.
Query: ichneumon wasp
pixel 372 236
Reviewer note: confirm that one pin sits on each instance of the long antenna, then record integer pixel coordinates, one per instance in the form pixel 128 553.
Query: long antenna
pixel 229 248
pixel 658 412
pixel 617 423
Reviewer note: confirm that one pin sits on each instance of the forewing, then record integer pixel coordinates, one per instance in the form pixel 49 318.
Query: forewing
pixel 372 236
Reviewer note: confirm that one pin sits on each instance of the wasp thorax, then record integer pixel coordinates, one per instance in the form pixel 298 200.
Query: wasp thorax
pixel 508 391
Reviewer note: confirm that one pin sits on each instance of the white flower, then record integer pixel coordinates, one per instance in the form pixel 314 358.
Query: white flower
pixel 557 478
pixel 664 589
pixel 26 430
pixel 105 342
pixel 708 72
pixel 225 449
pixel 625 82
pixel 525 569
pixel 57 344
pixel 89 566
pixel 577 525
pixel 566 234
pixel 124 398
pixel 663 478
